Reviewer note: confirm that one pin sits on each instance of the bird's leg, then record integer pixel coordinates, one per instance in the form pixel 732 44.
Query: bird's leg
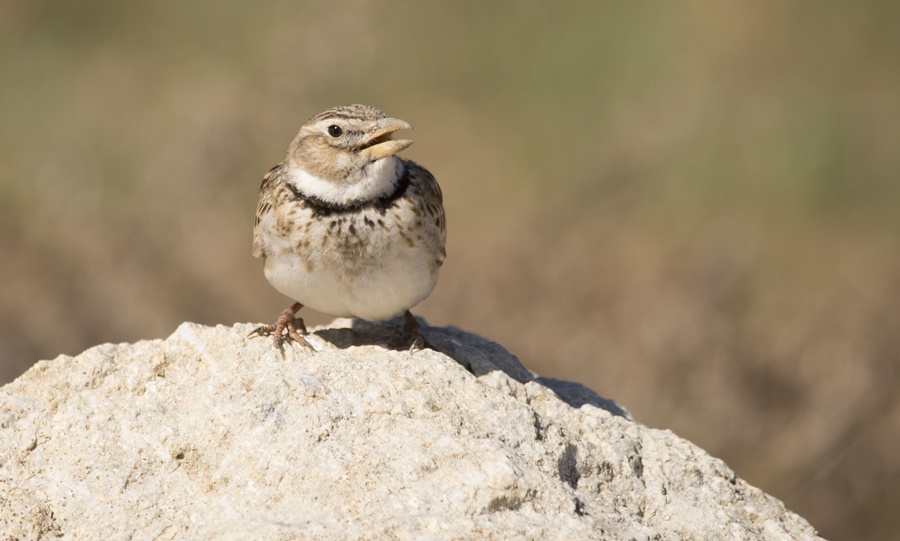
pixel 285 328
pixel 412 332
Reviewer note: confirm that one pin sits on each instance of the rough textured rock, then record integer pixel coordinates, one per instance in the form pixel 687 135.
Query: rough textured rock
pixel 211 435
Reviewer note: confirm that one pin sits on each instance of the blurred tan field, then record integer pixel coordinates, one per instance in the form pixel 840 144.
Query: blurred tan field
pixel 693 208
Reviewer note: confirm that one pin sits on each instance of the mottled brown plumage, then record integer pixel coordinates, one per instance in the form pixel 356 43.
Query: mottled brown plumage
pixel 348 228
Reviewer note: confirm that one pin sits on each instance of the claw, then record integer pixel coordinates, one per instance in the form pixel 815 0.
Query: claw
pixel 285 329
pixel 264 330
pixel 411 332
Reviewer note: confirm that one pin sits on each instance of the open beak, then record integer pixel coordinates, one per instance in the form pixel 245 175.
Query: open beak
pixel 380 145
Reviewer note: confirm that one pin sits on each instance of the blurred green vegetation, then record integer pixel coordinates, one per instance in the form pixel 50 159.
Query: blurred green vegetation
pixel 690 207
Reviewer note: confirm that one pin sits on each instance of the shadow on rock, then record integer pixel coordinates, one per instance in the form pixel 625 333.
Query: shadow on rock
pixel 476 354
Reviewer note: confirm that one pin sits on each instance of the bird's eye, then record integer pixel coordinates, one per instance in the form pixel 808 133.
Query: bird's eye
pixel 335 131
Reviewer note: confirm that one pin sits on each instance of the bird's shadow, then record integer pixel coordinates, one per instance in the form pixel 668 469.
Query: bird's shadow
pixel 360 334
pixel 474 353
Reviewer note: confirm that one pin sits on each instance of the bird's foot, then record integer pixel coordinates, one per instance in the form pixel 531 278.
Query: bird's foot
pixel 410 333
pixel 288 328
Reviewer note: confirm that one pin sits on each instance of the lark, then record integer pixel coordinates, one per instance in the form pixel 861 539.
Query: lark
pixel 348 228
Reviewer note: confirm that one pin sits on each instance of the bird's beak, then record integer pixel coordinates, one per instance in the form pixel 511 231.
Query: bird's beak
pixel 380 145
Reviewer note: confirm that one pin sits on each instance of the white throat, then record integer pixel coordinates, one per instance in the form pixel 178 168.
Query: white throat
pixel 372 182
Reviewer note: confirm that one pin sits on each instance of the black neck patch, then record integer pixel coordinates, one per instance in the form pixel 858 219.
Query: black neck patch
pixel 320 207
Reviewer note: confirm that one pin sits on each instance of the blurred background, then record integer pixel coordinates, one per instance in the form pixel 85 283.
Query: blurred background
pixel 693 208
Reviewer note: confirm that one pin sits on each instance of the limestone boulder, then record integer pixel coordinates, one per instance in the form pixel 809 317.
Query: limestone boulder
pixel 212 435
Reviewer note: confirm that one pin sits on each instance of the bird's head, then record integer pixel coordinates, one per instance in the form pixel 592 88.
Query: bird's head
pixel 341 144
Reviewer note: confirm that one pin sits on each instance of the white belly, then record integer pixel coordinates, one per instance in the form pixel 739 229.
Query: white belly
pixel 381 289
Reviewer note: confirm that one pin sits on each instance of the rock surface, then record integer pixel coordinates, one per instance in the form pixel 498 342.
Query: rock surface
pixel 211 435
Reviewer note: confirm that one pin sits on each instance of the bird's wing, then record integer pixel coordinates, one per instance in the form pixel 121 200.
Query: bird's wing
pixel 434 203
pixel 266 199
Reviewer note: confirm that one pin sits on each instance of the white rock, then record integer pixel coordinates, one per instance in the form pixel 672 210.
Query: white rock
pixel 211 435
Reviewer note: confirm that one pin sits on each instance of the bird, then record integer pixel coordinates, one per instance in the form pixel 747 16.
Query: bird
pixel 348 228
